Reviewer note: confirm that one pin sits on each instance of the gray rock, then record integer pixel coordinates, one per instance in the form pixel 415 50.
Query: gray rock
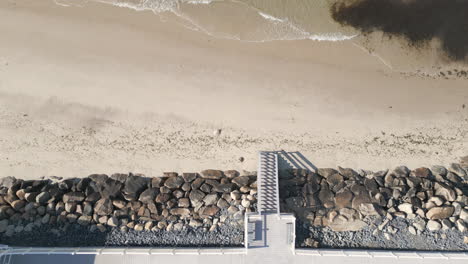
pixel 103 207
pixel 231 174
pixel 212 174
pixel 446 224
pixel 241 180
pixel 43 198
pixel 335 179
pixel 210 199
pixel 184 202
pixel 195 223
pixel 433 225
pixel 148 195
pixel 325 172
pixel 440 170
pixel 113 221
pixel 406 208
pixel 211 210
pixel 436 213
pixel 348 173
pixel 162 197
pixel 412 230
pixel 457 169
pixel 369 209
pixel 222 203
pixel 196 195
pixel 189 177
pixel 343 199
pixel 461 225
pixel 18 204
pixel 400 172
pixel 180 211
pixel 73 197
pixel 421 173
pixel 84 220
pixel 197 183
pixel 445 191
pixel 464 215
pixel 134 185
pixel 174 182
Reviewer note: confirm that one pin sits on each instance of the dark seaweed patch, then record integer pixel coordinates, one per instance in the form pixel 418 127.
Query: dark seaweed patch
pixel 418 21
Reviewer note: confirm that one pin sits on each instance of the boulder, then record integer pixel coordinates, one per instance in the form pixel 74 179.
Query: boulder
pixel 211 210
pixel 400 172
pixel 445 191
pixel 407 208
pixel 359 199
pixel 113 221
pixel 148 195
pixel 340 224
pixel 433 225
pixel 103 207
pixel 210 199
pixel 325 172
pixel 439 170
pixel 73 197
pixel 212 174
pixel 84 220
pixel 436 213
pixel 222 203
pixel 197 183
pixel 93 197
pixel 189 177
pixel 310 188
pixel 135 184
pixel 464 215
pixel 326 197
pixel 196 195
pixel 31 197
pixel 343 199
pixel 241 180
pixel 231 174
pixel 225 187
pixel 184 212
pixel 348 173
pixel 369 209
pixel 110 188
pixel 18 204
pixel 163 197
pixel 421 173
pixel 43 198
pixel 174 182
pixel 184 202
pixel 457 169
pixel 334 179
pixel 98 178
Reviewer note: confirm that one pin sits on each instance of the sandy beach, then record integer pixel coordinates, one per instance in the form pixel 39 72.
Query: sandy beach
pixel 103 89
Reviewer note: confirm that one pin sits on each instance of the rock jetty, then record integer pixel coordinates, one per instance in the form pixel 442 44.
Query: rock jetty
pixel 398 204
pixel 202 201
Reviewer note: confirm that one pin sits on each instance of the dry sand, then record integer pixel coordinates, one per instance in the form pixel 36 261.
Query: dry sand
pixel 106 89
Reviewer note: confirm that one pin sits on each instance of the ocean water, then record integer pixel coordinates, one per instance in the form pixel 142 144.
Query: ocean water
pixel 270 20
pixel 246 20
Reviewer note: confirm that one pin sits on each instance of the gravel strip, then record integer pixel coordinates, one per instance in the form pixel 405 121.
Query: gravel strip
pixel 79 236
pixel 448 240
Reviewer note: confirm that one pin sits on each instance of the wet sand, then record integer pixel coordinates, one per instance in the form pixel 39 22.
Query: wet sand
pixel 107 89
